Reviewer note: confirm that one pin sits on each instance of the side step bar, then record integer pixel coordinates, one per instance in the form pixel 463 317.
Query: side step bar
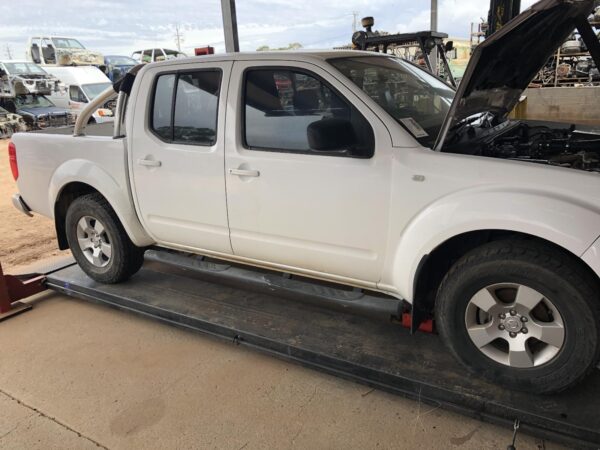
pixel 270 282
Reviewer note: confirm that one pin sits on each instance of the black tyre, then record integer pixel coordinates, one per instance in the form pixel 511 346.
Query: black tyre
pixel 522 314
pixel 99 242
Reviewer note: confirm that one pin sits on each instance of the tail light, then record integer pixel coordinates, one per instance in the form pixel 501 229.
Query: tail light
pixel 12 158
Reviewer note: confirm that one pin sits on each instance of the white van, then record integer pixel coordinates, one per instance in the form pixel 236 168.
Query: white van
pixel 78 86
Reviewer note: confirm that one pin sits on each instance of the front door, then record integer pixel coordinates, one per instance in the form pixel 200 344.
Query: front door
pixel 316 212
pixel 178 156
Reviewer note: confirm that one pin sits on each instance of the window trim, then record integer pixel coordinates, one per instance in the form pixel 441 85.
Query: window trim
pixel 177 73
pixel 345 153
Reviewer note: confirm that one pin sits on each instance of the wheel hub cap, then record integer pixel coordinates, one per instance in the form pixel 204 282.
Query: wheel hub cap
pixel 515 325
pixel 94 241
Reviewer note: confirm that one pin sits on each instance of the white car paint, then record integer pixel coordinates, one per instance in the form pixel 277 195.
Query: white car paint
pixel 364 222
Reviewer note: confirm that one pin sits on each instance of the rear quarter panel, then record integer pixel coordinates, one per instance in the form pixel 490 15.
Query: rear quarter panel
pixel 48 162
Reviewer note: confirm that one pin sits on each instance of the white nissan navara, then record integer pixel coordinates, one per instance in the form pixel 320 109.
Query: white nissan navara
pixel 356 168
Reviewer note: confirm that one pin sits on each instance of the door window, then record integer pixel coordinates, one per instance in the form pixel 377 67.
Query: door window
pixel 281 106
pixel 147 56
pixel 190 117
pixel 48 52
pixel 77 95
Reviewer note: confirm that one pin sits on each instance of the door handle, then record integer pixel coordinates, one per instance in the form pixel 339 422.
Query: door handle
pixel 244 172
pixel 149 163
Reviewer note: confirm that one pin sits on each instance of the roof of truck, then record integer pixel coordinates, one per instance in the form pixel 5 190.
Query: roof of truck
pixel 79 75
pixel 295 55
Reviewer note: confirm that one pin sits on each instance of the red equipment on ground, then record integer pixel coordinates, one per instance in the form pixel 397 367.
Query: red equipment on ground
pixel 14 288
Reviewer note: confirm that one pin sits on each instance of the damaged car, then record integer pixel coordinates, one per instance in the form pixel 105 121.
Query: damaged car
pixel 38 111
pixel 61 51
pixel 10 124
pixel 22 77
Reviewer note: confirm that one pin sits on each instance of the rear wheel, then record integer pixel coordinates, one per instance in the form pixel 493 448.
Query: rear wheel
pixel 521 314
pixel 99 242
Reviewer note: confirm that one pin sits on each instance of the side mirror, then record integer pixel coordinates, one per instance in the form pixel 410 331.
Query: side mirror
pixel 331 134
pixel 2 73
pixel 449 46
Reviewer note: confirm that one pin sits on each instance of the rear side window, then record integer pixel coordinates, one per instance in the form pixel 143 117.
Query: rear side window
pixel 185 107
pixel 281 104
pixel 163 107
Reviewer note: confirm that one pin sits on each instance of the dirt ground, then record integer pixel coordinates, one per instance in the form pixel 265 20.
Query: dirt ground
pixel 23 240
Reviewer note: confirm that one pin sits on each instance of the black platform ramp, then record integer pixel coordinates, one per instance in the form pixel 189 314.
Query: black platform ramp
pixel 375 352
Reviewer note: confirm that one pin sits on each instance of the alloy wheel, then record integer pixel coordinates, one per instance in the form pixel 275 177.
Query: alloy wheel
pixel 515 325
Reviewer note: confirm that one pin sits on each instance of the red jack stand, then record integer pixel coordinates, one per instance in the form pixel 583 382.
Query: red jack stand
pixel 13 289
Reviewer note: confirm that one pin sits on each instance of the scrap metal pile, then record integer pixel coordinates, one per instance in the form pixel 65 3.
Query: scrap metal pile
pixel 10 123
pixel 572 65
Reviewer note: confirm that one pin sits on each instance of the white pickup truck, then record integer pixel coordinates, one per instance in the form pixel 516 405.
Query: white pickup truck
pixel 355 168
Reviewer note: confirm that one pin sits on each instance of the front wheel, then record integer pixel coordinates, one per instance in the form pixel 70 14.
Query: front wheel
pixel 522 314
pixel 99 242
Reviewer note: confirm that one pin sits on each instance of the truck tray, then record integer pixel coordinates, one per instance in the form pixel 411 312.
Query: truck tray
pixel 374 352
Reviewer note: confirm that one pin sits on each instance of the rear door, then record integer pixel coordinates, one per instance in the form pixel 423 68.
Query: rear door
pixel 178 155
pixel 319 212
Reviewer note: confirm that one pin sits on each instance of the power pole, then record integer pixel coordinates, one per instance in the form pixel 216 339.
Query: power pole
pixel 434 27
pixel 232 43
pixel 354 20
pixel 178 37
pixel 8 51
pixel 434 15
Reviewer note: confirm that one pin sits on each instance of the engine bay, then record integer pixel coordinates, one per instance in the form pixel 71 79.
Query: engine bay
pixel 557 144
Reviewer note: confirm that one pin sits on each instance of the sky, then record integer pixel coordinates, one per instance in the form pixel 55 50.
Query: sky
pixel 123 26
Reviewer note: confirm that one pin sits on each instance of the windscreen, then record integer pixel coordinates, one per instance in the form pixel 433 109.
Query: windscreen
pixel 413 97
pixel 93 90
pixel 121 61
pixel 66 43
pixel 24 68
pixel 171 54
pixel 33 101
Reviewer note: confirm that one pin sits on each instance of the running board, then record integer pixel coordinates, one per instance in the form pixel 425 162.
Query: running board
pixel 269 282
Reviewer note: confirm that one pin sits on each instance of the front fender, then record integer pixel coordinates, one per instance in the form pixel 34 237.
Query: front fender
pixel 568 222
pixel 117 195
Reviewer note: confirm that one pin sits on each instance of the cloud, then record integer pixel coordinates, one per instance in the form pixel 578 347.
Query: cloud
pixel 122 26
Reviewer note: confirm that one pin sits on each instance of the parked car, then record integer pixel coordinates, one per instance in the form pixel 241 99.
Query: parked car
pixel 61 51
pixel 22 77
pixel 356 168
pixel 10 124
pixel 117 66
pixel 156 54
pixel 79 86
pixel 38 111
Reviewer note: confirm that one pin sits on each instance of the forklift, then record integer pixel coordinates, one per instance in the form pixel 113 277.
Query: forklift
pixel 501 12
pixel 425 42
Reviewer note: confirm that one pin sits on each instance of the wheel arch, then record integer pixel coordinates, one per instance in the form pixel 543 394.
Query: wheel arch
pixel 434 266
pixel 68 183
pixel 66 196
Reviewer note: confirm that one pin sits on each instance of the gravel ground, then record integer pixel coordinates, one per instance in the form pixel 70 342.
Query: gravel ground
pixel 23 239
